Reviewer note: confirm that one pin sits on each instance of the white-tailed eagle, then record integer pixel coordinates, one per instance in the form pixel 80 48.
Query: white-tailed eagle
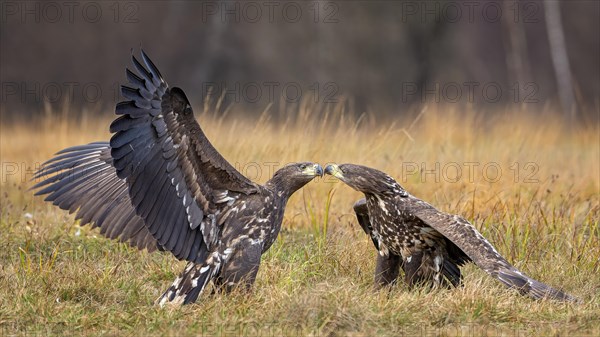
pixel 160 184
pixel 429 245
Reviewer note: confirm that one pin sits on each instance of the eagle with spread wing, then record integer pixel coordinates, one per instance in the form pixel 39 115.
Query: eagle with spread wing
pixel 429 245
pixel 160 184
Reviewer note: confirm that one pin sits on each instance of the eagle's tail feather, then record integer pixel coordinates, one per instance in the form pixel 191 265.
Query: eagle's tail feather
pixel 190 284
pixel 513 278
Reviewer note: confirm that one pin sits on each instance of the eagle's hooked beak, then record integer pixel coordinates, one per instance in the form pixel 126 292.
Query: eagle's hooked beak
pixel 314 170
pixel 318 170
pixel 334 170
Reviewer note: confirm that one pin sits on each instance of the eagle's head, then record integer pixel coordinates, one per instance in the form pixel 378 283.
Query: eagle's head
pixel 292 177
pixel 364 179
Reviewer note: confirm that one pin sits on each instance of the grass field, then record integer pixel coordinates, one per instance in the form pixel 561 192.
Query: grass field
pixel 529 185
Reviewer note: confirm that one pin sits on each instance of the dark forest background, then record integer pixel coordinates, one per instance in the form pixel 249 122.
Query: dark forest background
pixel 385 57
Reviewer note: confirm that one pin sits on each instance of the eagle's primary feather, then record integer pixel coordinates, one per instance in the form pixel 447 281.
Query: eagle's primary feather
pixel 428 244
pixel 160 184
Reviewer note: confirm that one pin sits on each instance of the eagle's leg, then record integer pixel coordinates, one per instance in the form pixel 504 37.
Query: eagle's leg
pixel 387 269
pixel 189 285
pixel 432 268
pixel 195 277
pixel 415 269
pixel 240 271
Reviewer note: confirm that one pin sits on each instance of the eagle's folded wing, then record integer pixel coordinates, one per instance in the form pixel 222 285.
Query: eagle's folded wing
pixel 464 235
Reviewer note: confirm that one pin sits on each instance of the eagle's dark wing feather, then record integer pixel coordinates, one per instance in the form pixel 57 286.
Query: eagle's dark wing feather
pixel 171 169
pixel 460 232
pixel 362 215
pixel 387 266
pixel 82 179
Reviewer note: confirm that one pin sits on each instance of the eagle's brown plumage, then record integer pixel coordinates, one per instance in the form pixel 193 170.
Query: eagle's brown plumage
pixel 160 184
pixel 428 244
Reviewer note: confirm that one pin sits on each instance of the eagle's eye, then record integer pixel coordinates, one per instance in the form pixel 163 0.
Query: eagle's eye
pixel 302 166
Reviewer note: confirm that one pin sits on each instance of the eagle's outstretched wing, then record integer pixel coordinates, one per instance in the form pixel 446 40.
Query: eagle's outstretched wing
pixel 177 181
pixel 460 232
pixel 82 179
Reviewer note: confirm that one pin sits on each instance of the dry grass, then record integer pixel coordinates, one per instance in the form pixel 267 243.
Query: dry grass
pixel 58 278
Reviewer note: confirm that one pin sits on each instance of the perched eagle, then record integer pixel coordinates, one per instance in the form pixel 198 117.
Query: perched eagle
pixel 427 244
pixel 160 184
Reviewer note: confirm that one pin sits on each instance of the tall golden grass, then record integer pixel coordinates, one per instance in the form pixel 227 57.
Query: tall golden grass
pixel 527 182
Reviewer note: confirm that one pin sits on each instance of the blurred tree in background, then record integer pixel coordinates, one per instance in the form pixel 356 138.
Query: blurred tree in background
pixel 384 57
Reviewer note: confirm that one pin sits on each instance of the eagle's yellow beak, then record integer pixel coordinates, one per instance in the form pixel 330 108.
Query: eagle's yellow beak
pixel 313 170
pixel 334 170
